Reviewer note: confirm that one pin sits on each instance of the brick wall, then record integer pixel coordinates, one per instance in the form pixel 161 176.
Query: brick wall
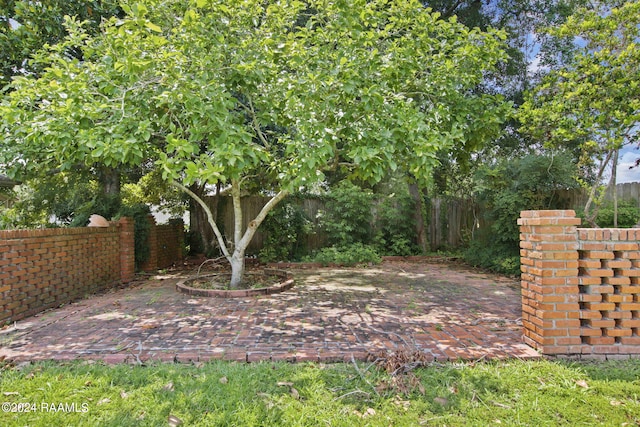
pixel 580 286
pixel 41 269
pixel 166 244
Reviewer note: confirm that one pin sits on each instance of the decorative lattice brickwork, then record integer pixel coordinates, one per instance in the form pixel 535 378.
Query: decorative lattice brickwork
pixel 580 287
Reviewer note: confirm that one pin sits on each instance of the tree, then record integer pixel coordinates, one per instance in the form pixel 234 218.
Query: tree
pixel 26 26
pixel 594 100
pixel 259 97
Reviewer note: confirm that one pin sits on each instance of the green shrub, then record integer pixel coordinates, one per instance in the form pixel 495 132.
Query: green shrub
pixel 499 258
pixel 395 224
pixel 285 228
pixel 347 216
pixel 353 254
pixel 514 185
pixel 628 214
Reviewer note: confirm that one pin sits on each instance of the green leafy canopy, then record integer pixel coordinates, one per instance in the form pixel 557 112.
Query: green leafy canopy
pixel 217 91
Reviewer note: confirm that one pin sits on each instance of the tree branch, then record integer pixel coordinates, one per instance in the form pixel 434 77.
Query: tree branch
pixel 212 223
pixel 452 9
pixel 253 225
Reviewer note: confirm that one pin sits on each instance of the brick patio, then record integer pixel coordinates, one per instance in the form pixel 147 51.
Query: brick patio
pixel 448 312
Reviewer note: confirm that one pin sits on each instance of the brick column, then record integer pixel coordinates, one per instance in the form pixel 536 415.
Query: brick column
pixel 550 292
pixel 127 250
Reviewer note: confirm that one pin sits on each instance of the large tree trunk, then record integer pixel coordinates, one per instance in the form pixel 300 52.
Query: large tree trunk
pixel 110 181
pixel 237 270
pixel 241 241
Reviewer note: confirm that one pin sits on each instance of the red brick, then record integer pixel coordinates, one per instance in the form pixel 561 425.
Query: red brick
pixel 605 289
pixel 590 297
pixel 568 341
pixel 630 272
pixel 567 307
pixel 626 246
pixel 617 263
pixel 631 341
pixel 569 323
pixel 587 314
pixel 598 272
pixel 600 341
pixel 590 263
pixel 618 332
pixel 590 332
pixel 602 323
pixel 586 280
pixel 617 314
pixel 630 323
pixel 617 280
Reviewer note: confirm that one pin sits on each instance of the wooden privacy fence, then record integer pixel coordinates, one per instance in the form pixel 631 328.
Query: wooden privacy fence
pixel 449 221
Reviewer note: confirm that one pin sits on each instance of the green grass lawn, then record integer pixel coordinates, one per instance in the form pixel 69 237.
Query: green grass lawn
pixel 540 393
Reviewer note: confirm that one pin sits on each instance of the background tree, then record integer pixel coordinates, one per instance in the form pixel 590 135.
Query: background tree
pixel 593 100
pixel 26 26
pixel 257 97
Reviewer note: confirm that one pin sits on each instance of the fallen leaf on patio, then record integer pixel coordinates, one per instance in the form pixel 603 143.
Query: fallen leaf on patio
pixel 124 394
pixel 174 421
pixel 148 326
pixel 104 401
pixel 88 384
pixel 616 403
pixel 11 393
pixel 582 383
pixel 223 380
pixel 168 387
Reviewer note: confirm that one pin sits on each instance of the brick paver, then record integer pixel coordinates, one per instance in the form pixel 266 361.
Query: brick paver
pixel 447 312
